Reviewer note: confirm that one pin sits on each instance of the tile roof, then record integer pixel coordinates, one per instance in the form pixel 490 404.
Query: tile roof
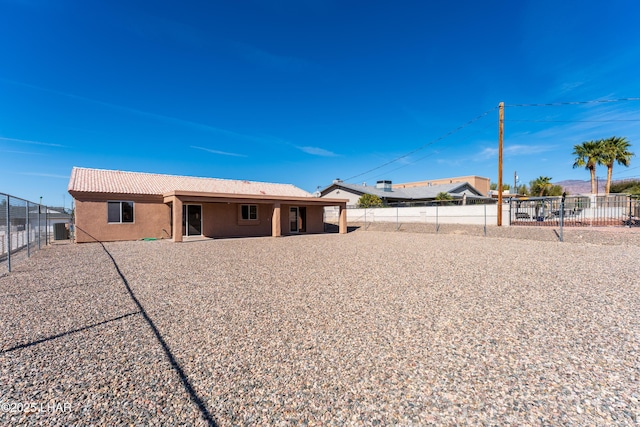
pixel 121 182
pixel 411 193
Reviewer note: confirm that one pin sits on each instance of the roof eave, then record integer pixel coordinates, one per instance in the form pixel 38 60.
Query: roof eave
pixel 234 197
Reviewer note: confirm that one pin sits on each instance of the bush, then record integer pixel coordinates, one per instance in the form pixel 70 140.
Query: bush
pixel 369 201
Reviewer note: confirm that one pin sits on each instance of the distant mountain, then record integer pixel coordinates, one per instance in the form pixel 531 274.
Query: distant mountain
pixel 576 186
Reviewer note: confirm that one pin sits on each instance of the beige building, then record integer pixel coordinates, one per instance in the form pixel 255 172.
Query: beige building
pixel 115 205
pixel 478 182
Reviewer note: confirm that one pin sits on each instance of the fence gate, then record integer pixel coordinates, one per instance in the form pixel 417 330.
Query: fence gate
pixel 579 211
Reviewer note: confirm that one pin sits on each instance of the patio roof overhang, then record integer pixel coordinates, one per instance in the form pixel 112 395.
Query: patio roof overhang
pixel 194 196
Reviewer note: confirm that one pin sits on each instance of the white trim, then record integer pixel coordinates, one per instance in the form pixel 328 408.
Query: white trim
pixel 297 210
pixel 185 218
pixel 133 210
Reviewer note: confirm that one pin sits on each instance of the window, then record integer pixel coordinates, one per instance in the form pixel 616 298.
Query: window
pixel 249 212
pixel 119 212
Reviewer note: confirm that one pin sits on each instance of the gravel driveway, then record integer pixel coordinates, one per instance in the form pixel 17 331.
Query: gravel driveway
pixel 368 328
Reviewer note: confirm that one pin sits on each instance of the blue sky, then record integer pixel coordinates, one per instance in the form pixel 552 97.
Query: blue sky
pixel 306 91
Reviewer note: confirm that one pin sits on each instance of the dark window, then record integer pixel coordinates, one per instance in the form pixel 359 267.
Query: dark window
pixel 118 212
pixel 249 212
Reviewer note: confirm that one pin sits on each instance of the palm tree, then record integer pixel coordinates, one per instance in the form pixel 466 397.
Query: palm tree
pixel 588 155
pixel 614 150
pixel 444 198
pixel 540 185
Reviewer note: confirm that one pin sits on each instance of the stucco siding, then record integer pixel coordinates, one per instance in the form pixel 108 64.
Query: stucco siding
pixel 153 219
pixel 150 218
pixel 315 219
pixel 224 220
pixel 341 193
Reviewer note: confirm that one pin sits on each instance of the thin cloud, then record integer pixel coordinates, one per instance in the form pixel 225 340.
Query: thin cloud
pixel 45 175
pixel 161 117
pixel 267 59
pixel 27 141
pixel 514 150
pixel 222 153
pixel 28 153
pixel 316 151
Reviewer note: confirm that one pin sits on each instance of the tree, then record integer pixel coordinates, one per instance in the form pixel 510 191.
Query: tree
pixel 588 156
pixel 369 201
pixel 523 189
pixel 555 190
pixel 631 186
pixel 541 186
pixel 494 186
pixel 614 150
pixel 443 197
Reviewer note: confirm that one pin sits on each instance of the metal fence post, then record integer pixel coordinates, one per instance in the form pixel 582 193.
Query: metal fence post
pixel 562 217
pixel 365 219
pixel 46 222
pixel 630 207
pixel 485 220
pixel 39 226
pixel 437 223
pixel 27 230
pixel 9 242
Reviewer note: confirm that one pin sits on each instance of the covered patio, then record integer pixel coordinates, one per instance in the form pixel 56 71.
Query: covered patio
pixel 238 215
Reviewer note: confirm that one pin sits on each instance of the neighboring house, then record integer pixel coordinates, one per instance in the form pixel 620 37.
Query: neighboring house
pixel 480 183
pixel 37 217
pixel 115 205
pixel 390 194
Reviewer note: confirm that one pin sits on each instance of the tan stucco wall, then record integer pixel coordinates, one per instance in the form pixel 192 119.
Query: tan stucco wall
pixel 150 218
pixel 315 219
pixel 224 220
pixel 480 183
pixel 314 224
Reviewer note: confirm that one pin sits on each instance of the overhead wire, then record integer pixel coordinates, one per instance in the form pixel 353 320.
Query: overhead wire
pixel 573 121
pixel 422 147
pixel 555 104
pixel 480 116
pixel 424 157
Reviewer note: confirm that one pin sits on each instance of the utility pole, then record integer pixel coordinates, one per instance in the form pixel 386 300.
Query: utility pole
pixel 500 138
pixel 515 182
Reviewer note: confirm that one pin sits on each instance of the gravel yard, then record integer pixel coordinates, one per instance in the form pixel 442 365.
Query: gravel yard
pixel 368 328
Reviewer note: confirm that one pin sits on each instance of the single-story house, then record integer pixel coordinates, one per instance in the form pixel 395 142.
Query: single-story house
pixel 480 183
pixel 114 205
pixel 391 194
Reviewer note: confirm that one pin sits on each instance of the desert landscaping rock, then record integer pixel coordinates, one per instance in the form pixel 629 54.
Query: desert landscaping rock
pixel 369 328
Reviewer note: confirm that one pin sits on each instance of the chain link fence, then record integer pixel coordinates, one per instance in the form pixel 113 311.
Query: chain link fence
pixel 577 211
pixel 431 214
pixel 614 210
pixel 26 227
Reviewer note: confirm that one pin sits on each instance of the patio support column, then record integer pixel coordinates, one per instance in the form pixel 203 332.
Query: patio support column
pixel 342 224
pixel 276 223
pixel 177 220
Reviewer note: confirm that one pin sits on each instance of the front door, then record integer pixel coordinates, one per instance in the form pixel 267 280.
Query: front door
pixel 294 214
pixel 192 220
pixel 297 219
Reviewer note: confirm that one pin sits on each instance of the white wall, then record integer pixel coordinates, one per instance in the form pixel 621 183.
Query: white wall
pixel 341 193
pixel 466 214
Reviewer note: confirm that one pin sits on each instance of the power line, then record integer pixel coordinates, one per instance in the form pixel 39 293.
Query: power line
pixel 554 104
pixel 625 170
pixel 428 155
pixel 475 119
pixel 573 121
